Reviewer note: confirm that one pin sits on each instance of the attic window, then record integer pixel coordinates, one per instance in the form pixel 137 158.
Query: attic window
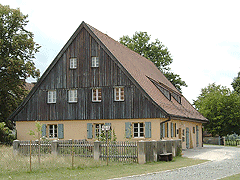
pixel 95 61
pixel 72 96
pixel 73 63
pixel 96 95
pixel 165 92
pixel 119 93
pixel 51 96
pixel 176 97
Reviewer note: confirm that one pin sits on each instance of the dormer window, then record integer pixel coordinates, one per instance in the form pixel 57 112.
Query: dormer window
pixel 95 61
pixel 73 63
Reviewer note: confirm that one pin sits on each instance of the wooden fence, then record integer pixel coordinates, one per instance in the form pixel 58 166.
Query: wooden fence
pixel 119 151
pixel 127 152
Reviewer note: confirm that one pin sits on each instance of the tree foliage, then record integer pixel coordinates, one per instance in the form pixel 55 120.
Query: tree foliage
pixel 17 51
pixel 221 107
pixel 236 83
pixel 154 51
pixel 6 136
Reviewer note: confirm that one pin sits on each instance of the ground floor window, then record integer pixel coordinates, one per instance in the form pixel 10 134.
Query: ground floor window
pixel 53 131
pixel 98 130
pixel 138 130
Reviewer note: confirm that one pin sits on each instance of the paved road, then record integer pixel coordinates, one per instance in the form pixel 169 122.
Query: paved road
pixel 225 161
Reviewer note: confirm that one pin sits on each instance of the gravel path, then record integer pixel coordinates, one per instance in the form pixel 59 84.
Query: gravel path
pixel 225 161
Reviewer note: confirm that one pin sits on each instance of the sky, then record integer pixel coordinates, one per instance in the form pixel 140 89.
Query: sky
pixel 202 36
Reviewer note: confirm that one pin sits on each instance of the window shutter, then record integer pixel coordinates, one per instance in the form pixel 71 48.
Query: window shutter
pixel 110 132
pixel 163 130
pixel 148 130
pixel 89 130
pixel 44 130
pixel 60 131
pixel 128 129
pixel 171 129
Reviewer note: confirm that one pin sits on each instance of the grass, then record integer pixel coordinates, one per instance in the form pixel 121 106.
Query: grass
pixel 60 167
pixel 234 177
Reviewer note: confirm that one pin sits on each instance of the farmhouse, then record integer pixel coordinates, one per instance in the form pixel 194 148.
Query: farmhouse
pixel 94 80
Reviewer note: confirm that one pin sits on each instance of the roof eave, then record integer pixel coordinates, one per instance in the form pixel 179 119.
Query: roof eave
pixel 188 119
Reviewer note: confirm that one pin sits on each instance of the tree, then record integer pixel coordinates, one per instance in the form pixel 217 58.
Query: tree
pixel 221 107
pixel 17 51
pixel 154 51
pixel 6 136
pixel 236 83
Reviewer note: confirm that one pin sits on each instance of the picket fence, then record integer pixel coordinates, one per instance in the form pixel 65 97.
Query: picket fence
pixel 114 151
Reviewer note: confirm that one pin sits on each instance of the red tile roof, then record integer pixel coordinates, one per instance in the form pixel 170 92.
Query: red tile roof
pixel 140 69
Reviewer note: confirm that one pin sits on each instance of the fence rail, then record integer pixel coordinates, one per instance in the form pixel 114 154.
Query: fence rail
pixel 127 152
pixel 119 151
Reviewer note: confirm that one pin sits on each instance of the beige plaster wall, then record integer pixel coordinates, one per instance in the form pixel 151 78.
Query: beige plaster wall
pixel 77 129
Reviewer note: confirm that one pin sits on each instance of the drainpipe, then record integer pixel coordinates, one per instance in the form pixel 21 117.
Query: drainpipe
pixel 169 119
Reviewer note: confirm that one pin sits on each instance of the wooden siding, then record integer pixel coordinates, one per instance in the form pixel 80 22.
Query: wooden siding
pixel 108 75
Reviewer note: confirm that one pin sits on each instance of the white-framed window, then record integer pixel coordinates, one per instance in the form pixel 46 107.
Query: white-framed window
pixel 96 95
pixel 119 93
pixel 138 130
pixel 73 63
pixel 51 96
pixel 53 131
pixel 98 130
pixel 95 61
pixel 72 95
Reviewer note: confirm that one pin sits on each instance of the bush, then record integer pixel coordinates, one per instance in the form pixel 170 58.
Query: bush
pixel 6 135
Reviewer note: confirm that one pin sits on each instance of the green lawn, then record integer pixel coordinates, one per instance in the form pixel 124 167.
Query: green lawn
pixel 237 176
pixel 60 167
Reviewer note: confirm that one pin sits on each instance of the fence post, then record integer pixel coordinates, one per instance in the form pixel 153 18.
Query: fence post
pixel 96 153
pixel 154 150
pixel 141 152
pixel 16 148
pixel 55 147
pixel 174 150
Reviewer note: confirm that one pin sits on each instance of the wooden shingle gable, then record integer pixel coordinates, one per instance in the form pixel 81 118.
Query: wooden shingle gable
pixel 70 110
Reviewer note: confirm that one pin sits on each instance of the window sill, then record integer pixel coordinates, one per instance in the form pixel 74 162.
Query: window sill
pixel 139 138
pixel 72 102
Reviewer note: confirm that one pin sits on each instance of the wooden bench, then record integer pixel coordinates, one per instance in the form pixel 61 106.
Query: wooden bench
pixel 165 157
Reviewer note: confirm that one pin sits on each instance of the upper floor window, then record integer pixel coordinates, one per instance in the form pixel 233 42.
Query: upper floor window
pixel 95 61
pixel 96 95
pixel 51 96
pixel 119 93
pixel 73 63
pixel 72 95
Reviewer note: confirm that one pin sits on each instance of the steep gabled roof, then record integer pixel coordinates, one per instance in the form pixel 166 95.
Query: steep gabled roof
pixel 140 69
